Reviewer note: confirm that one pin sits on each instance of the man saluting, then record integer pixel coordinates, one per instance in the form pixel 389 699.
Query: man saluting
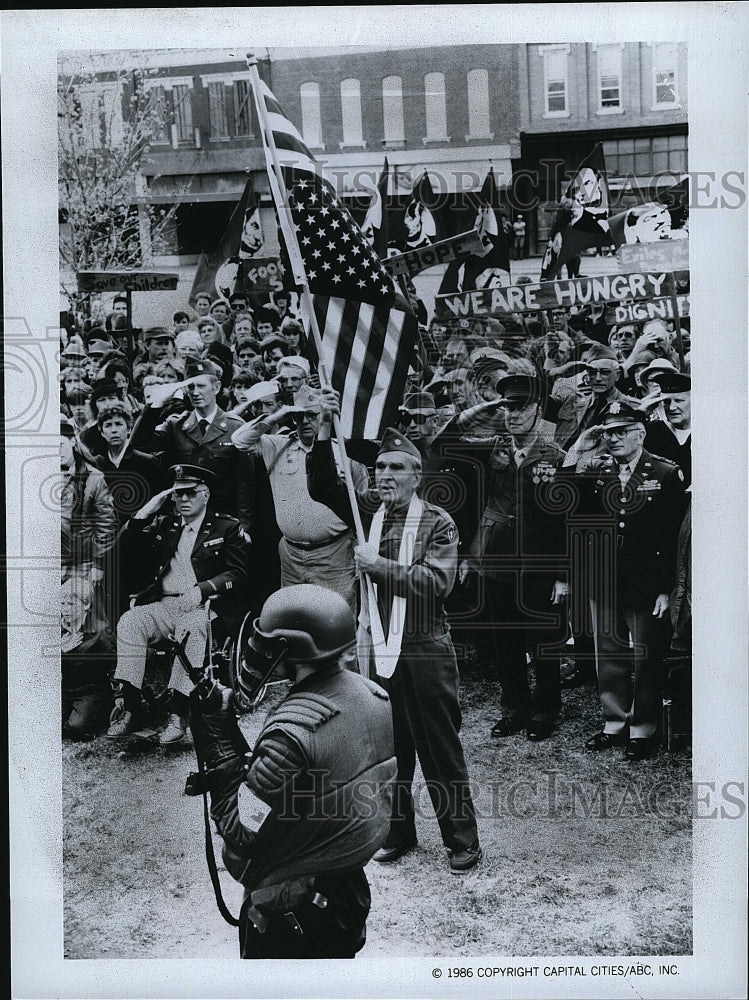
pixel 411 557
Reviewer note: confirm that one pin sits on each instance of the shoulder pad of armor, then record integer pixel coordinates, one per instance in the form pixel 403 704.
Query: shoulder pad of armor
pixel 305 709
pixel 375 689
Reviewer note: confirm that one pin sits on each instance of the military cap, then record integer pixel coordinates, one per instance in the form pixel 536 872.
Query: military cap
pixel 672 381
pixel 157 333
pixel 305 399
pixel 99 346
pixel 620 413
pixel 202 367
pixel 262 390
pixel 393 440
pixel 191 475
pixel 417 402
pixel 600 352
pixel 520 389
pixel 296 361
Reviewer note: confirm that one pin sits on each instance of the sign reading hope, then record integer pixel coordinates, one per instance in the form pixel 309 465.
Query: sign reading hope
pixel 455 248
pixel 542 295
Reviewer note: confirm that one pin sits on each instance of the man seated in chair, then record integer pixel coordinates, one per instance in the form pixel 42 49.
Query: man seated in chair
pixel 190 554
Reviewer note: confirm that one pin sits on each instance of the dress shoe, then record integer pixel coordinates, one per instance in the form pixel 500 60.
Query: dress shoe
pixel 640 749
pixel 174 731
pixel 463 861
pixel 387 854
pixel 506 727
pixel 604 741
pixel 121 726
pixel 540 730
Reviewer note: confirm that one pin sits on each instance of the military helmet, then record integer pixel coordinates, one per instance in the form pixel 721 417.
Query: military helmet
pixel 315 623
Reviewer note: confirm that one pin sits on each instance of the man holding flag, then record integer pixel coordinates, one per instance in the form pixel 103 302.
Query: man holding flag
pixel 411 555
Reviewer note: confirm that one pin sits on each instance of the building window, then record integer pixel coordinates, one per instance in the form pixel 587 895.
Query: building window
pixel 665 84
pixel 392 110
pixel 555 80
pixel 436 108
pixel 646 156
pixel 183 113
pixel 217 110
pixel 157 108
pixel 609 78
pixel 311 122
pixel 351 113
pixel 478 104
pixel 242 108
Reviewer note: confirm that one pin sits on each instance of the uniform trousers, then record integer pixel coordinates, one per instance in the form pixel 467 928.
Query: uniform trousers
pixel 149 623
pixel 630 679
pixel 330 566
pixel 426 721
pixel 525 621
pixel 336 931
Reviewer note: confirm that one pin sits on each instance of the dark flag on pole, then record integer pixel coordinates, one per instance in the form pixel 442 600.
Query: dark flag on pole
pixel 222 272
pixel 368 329
pixel 582 217
pixel 492 269
pixel 422 223
pixel 375 226
pixel 665 218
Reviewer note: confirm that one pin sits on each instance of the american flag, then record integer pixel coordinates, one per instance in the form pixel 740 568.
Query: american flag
pixel 368 329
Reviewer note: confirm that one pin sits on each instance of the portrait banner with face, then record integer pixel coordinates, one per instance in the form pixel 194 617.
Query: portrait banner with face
pixel 665 218
pixel 422 222
pixel 222 271
pixel 491 269
pixel 582 217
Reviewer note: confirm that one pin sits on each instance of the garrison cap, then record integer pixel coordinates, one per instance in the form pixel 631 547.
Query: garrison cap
pixel 202 367
pixel 157 333
pixel 393 440
pixel 306 398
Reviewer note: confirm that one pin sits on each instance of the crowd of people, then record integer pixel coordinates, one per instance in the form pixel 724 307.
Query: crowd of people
pixel 556 446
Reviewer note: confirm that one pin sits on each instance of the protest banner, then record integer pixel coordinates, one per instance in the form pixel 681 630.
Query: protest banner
pixel 543 295
pixel 455 248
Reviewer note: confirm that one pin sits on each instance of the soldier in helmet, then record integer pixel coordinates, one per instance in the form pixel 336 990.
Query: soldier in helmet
pixel 324 765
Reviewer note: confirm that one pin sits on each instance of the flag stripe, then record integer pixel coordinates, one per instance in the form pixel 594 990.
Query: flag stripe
pixel 360 346
pixel 391 372
pixel 366 400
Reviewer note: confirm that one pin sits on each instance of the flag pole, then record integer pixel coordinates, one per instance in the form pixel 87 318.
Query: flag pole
pixel 280 197
pixel 286 220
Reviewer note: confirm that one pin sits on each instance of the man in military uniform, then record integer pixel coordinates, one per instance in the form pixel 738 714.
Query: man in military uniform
pixel 189 556
pixel 323 764
pixel 411 558
pixel 636 502
pixel 201 437
pixel 519 550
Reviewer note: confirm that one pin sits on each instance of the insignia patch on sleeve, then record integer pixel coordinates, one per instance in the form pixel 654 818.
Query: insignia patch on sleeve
pixel 451 532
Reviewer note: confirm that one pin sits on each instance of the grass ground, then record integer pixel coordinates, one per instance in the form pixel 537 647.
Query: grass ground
pixel 583 854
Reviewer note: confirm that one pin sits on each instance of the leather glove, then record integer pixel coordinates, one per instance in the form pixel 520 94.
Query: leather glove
pixel 216 734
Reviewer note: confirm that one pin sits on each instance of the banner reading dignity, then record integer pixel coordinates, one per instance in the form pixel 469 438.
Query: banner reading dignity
pixel 541 295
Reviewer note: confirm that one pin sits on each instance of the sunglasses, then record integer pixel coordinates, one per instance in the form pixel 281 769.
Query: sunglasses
pixel 414 418
pixel 301 417
pixel 188 491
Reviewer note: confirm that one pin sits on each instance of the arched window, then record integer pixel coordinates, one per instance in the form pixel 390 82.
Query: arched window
pixel 311 122
pixel 478 104
pixel 392 109
pixel 351 113
pixel 436 109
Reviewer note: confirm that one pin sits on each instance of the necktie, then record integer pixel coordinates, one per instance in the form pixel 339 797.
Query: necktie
pixel 624 474
pixel 203 424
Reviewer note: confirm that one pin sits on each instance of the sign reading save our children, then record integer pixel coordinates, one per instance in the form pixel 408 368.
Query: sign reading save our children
pixel 536 296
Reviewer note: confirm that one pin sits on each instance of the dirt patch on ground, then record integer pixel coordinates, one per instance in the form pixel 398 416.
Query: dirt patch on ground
pixel 583 854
